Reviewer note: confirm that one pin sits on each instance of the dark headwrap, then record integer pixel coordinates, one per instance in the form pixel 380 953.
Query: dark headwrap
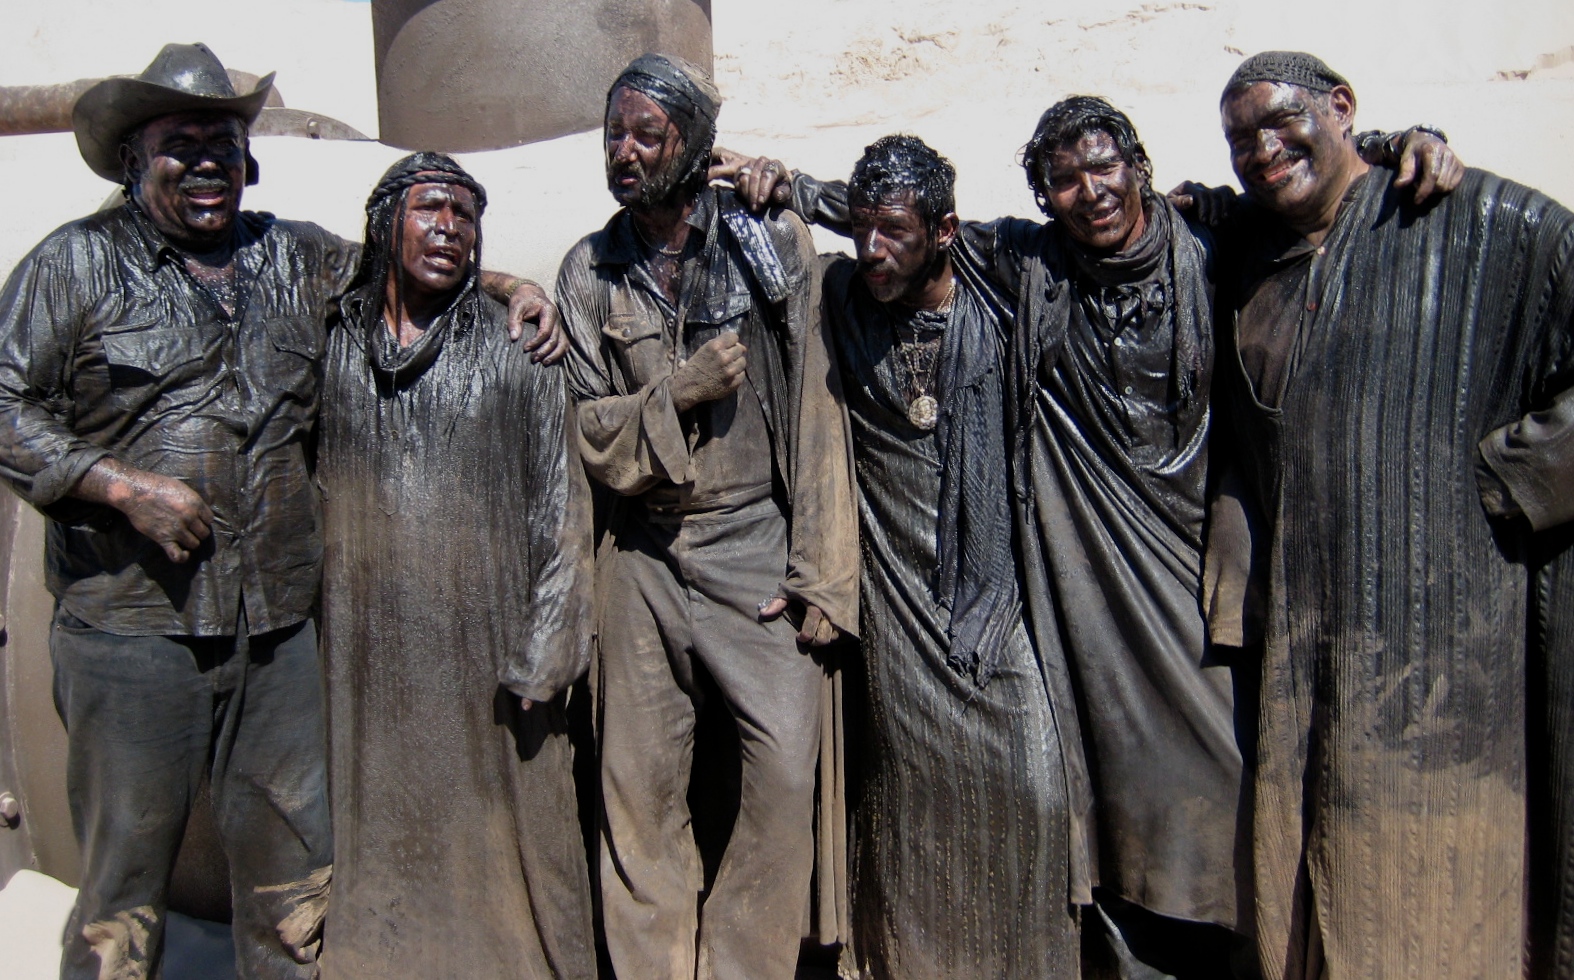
pixel 385 211
pixel 686 94
pixel 1287 67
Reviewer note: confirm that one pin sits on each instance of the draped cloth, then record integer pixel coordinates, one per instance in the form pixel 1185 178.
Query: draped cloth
pixel 457 579
pixel 1391 781
pixel 1111 376
pixel 962 847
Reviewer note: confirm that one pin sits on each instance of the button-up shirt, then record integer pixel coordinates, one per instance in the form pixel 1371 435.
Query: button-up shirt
pixel 109 347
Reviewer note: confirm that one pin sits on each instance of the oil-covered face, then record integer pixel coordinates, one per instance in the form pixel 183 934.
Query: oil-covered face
pixel 190 170
pixel 644 149
pixel 1287 146
pixel 897 252
pixel 437 241
pixel 1095 193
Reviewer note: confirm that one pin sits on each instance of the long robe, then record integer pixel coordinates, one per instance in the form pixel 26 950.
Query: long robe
pixel 962 850
pixel 457 579
pixel 1111 394
pixel 1390 817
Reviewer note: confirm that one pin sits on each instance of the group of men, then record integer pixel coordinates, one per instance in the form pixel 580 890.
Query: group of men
pixel 1199 552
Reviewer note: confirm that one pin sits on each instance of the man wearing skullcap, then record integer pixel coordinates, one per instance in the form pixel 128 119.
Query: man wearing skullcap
pixel 158 388
pixel 708 407
pixel 1396 403
pixel 456 602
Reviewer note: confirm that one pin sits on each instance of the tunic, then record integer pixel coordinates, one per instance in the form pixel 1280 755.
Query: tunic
pixel 457 580
pixel 1114 366
pixel 1391 782
pixel 962 826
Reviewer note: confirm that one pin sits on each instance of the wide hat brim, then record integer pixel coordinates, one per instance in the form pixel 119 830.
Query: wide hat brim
pixel 114 107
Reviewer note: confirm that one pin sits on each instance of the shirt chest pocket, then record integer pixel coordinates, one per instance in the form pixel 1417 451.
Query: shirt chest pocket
pixel 637 344
pixel 145 363
pixel 293 351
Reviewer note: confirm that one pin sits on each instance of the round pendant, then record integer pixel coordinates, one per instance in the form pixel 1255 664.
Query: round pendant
pixel 924 412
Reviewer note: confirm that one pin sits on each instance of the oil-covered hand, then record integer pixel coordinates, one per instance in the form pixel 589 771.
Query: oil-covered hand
pixel 1429 163
pixel 817 629
pixel 162 508
pixel 759 181
pixel 1210 206
pixel 529 303
pixel 714 371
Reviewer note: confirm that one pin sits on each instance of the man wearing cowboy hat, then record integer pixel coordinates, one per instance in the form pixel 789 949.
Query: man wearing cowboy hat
pixel 158 387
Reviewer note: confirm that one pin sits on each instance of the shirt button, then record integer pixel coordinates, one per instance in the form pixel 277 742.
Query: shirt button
pixel 1311 307
pixel 1128 389
pixel 1322 250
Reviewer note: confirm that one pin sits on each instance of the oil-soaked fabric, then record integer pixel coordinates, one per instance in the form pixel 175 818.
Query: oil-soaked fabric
pixel 1390 792
pixel 1107 485
pixel 146 718
pixel 1112 379
pixel 457 579
pixel 623 352
pixel 961 834
pixel 109 347
pixel 757 276
pixel 683 599
pixel 1551 729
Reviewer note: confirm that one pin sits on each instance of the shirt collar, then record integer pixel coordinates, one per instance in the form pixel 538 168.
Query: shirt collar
pixel 618 246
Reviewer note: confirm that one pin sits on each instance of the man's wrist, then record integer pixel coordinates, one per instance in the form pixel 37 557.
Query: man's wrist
pixel 516 283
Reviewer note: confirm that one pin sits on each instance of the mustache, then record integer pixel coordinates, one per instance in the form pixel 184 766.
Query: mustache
pixel 199 184
pixel 1289 155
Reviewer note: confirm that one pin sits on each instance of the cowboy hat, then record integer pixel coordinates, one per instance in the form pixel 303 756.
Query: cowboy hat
pixel 183 78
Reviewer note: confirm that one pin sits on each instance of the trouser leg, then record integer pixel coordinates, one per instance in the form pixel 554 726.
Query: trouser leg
pixel 137 712
pixel 753 918
pixel 270 800
pixel 650 870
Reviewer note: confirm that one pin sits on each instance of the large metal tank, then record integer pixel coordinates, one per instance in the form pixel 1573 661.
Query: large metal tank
pixel 462 75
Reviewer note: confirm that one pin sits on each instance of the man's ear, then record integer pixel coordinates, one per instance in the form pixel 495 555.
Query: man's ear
pixel 946 233
pixel 1341 102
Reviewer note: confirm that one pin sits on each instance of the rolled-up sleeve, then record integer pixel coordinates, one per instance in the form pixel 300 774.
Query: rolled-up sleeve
pixel 629 440
pixel 41 311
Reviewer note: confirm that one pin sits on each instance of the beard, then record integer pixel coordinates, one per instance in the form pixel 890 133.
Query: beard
pixel 656 188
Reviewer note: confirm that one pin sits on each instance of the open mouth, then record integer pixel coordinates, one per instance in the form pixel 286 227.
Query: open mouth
pixel 1279 171
pixel 1102 216
pixel 443 259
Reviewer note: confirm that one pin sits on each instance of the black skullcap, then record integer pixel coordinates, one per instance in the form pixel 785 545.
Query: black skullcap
pixel 1288 67
pixel 674 84
pixel 425 168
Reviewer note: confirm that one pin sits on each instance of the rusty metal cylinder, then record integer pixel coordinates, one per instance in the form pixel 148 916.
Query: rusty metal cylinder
pixel 463 75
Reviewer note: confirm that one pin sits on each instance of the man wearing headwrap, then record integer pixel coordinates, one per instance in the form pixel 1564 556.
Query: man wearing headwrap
pixel 708 406
pixel 456 611
pixel 1111 360
pixel 1396 402
pixel 158 366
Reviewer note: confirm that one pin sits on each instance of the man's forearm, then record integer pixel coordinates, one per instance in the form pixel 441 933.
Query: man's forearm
pixel 501 286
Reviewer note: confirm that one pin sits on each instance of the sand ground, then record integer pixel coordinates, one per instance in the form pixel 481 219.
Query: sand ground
pixel 811 82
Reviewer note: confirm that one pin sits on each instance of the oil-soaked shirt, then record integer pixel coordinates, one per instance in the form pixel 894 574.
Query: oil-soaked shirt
pixel 716 455
pixel 110 348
